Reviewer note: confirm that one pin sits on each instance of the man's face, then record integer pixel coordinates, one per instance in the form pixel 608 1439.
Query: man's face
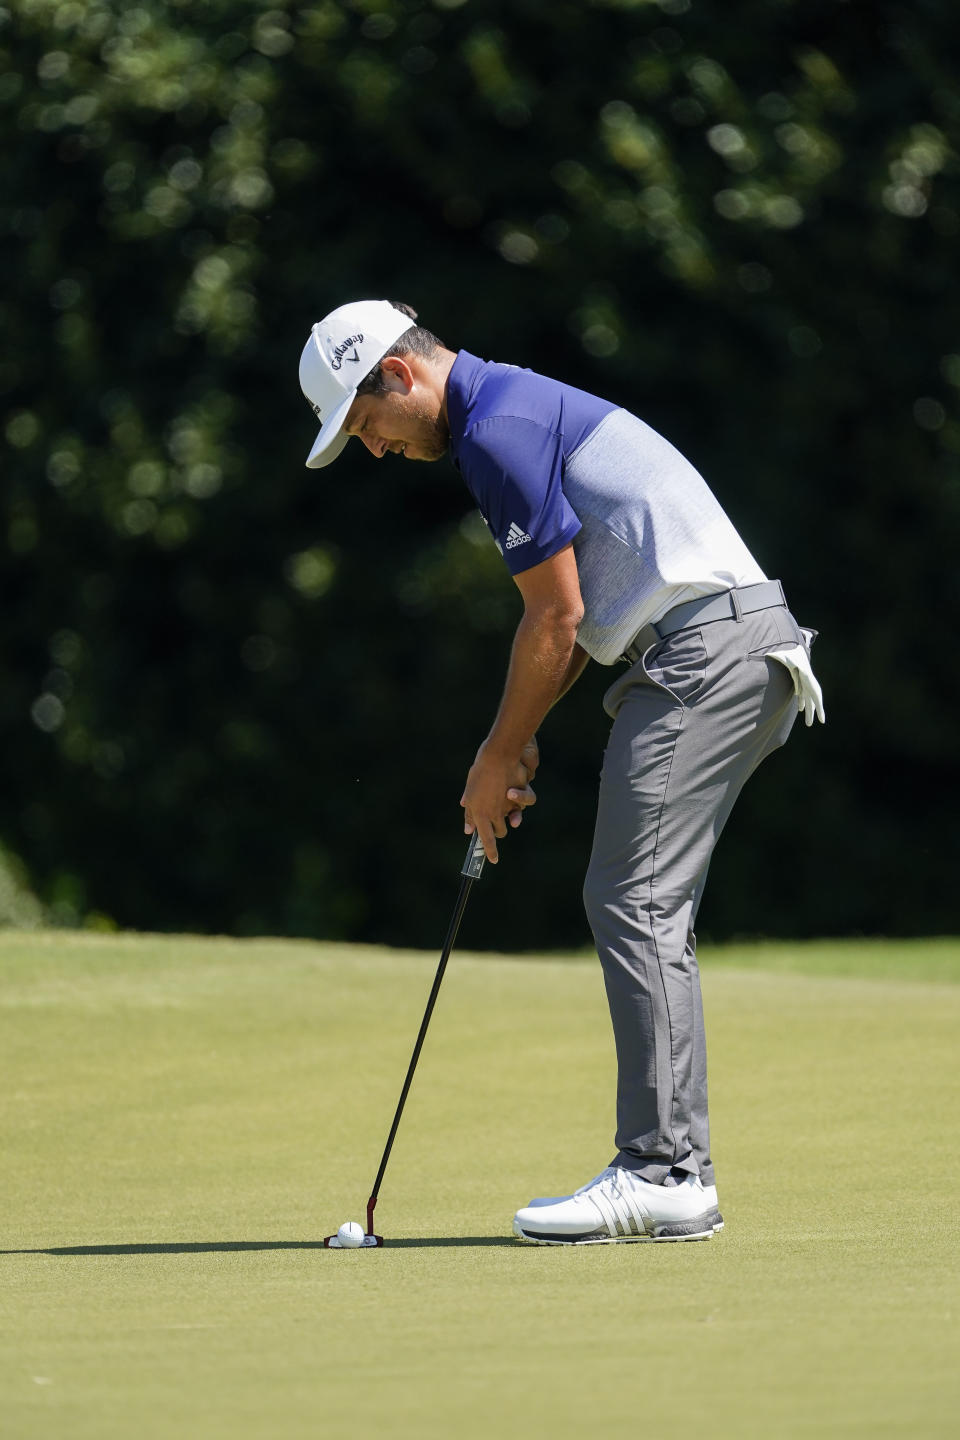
pixel 404 422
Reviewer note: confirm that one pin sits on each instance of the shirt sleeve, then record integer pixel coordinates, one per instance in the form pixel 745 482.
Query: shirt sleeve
pixel 514 468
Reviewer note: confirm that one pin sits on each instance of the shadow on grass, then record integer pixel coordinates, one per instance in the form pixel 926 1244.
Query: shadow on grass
pixel 213 1247
pixel 414 1244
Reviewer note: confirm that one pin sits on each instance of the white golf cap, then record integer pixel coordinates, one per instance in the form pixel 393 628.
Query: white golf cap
pixel 342 350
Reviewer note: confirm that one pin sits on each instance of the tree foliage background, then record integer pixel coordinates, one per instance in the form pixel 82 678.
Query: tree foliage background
pixel 242 696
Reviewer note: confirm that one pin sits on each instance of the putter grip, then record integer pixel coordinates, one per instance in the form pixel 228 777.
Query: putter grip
pixel 473 865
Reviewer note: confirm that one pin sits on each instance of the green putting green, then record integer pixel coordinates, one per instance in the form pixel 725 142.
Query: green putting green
pixel 184 1120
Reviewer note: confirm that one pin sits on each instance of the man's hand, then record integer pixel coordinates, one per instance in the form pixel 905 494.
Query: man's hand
pixel 498 790
pixel 530 757
pixel 520 792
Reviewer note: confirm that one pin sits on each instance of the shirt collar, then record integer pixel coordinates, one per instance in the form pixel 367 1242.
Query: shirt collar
pixel 461 385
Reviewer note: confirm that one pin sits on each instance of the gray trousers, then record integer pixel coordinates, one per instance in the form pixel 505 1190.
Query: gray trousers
pixel 692 720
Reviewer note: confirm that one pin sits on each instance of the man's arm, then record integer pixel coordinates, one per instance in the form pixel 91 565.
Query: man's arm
pixel 544 662
pixel 521 792
pixel 578 663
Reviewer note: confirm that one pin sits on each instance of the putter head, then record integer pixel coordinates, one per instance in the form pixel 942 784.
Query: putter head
pixel 369 1242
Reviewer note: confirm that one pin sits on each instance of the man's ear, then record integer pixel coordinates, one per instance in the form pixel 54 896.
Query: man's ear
pixel 397 374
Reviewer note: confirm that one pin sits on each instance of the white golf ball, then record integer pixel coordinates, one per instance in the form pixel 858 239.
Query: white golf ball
pixel 350 1235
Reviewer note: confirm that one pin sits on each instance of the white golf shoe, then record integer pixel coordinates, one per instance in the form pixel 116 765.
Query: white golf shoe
pixel 617 1206
pixel 709 1199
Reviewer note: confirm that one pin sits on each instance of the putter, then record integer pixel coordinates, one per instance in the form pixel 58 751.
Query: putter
pixel 472 869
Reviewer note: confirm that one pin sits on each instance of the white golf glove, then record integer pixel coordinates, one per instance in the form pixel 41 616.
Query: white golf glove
pixel 806 687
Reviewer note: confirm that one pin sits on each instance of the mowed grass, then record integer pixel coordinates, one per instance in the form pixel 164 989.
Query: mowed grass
pixel 184 1119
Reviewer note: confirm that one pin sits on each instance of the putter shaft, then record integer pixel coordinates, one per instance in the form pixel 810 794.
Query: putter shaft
pixel 472 868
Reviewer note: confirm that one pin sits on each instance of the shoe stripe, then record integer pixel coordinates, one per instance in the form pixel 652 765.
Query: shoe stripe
pixel 637 1222
pixel 608 1211
pixel 617 1208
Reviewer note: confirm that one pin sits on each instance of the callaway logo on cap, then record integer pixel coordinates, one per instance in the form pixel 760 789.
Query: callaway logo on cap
pixel 342 350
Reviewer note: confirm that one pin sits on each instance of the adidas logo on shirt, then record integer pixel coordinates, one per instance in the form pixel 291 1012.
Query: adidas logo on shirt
pixel 516 536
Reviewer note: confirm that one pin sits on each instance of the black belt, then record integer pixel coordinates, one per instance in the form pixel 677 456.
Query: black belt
pixel 728 605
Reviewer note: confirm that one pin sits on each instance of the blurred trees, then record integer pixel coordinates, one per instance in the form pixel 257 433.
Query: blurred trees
pixel 242 696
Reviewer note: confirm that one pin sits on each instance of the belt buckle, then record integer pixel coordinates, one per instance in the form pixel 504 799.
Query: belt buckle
pixel 638 648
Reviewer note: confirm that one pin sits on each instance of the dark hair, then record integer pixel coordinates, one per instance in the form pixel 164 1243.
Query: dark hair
pixel 416 341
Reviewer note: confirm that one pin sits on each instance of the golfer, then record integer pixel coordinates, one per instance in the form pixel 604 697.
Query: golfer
pixel 622 555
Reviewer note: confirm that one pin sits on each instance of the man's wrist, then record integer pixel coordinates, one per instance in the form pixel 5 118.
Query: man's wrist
pixel 499 751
